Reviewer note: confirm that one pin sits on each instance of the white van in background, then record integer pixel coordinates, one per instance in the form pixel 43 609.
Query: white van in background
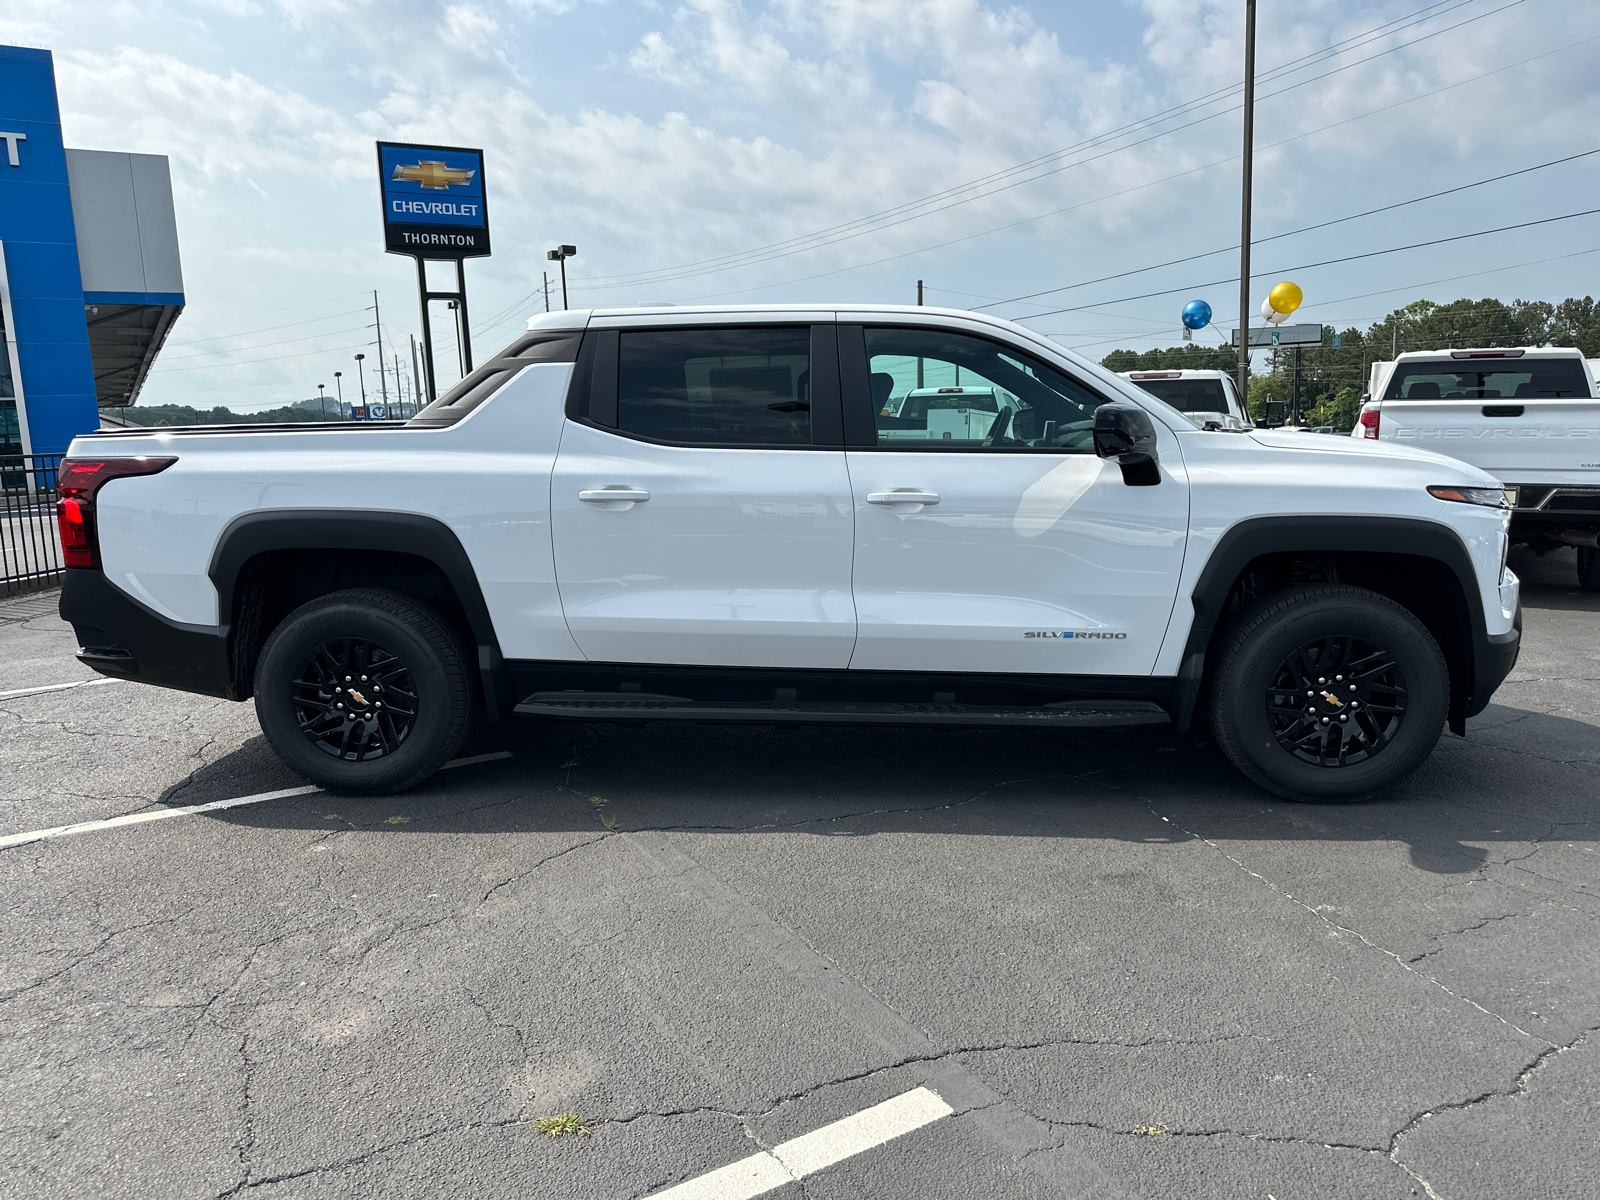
pixel 1205 397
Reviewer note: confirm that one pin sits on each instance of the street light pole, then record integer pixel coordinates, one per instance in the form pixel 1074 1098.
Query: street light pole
pixel 322 400
pixel 1244 208
pixel 338 382
pixel 560 254
pixel 361 375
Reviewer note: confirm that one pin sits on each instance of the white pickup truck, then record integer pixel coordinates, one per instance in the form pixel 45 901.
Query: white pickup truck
pixel 1530 417
pixel 730 514
pixel 1205 397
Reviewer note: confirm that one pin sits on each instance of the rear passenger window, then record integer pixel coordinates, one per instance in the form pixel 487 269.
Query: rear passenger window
pixel 730 387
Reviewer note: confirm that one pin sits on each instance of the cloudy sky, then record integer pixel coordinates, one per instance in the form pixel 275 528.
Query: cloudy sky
pixel 836 150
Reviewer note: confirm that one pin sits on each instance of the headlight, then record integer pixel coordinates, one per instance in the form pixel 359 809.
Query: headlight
pixel 1490 497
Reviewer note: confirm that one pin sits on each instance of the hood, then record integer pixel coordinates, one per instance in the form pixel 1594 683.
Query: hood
pixel 1455 470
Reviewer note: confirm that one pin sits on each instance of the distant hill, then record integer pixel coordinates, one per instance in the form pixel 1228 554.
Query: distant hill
pixel 157 415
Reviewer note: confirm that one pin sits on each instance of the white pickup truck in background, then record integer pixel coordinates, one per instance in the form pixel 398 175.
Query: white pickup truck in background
pixel 1530 417
pixel 1208 398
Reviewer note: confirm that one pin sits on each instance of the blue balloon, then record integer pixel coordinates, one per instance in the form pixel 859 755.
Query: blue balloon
pixel 1196 314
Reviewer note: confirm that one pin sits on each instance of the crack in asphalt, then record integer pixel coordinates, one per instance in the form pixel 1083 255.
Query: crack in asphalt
pixel 1479 924
pixel 1519 1087
pixel 1345 929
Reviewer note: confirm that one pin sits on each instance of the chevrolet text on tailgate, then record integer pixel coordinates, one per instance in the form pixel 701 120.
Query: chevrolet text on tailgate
pixel 1528 416
pixel 898 516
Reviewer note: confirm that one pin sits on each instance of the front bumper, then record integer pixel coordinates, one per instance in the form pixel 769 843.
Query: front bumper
pixel 123 638
pixel 1494 657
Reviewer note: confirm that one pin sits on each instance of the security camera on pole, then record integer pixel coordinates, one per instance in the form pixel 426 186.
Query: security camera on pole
pixel 435 208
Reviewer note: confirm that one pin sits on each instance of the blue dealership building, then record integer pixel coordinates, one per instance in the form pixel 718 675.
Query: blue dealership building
pixel 90 279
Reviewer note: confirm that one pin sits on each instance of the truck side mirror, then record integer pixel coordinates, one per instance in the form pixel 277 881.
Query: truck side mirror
pixel 1276 414
pixel 1125 432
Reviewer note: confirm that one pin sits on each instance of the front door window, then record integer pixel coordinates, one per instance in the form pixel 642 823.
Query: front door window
pixel 936 390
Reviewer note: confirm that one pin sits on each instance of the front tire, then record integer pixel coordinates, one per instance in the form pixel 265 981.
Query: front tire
pixel 363 691
pixel 1329 693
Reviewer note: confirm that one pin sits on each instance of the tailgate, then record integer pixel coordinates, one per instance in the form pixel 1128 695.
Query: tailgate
pixel 1521 440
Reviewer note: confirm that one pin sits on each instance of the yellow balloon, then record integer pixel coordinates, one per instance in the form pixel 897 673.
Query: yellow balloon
pixel 1285 297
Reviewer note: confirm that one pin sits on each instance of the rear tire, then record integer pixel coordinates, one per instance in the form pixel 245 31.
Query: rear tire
pixel 1589 568
pixel 363 691
pixel 1329 693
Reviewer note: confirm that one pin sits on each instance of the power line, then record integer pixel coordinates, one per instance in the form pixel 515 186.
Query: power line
pixel 638 278
pixel 1324 263
pixel 269 329
pixel 1295 232
pixel 244 362
pixel 1152 183
pixel 265 345
pixel 667 275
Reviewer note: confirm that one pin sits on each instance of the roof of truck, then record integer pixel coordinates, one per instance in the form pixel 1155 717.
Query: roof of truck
pixel 1470 352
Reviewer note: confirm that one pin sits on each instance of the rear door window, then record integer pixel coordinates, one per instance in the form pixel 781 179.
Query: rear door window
pixel 732 387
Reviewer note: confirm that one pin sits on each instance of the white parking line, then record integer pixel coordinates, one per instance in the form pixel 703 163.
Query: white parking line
pixel 161 814
pixel 56 687
pixel 811 1152
pixel 158 814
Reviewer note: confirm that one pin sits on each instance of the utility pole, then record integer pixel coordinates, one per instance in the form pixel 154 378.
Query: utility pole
pixel 919 293
pixel 416 371
pixel 546 275
pixel 377 324
pixel 1244 207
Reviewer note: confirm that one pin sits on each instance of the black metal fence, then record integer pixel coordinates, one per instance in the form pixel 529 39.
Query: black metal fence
pixel 30 547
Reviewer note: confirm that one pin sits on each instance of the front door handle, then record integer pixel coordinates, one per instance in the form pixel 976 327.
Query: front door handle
pixel 614 493
pixel 903 496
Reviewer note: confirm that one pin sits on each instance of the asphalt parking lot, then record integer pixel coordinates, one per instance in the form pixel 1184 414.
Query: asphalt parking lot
pixel 1115 967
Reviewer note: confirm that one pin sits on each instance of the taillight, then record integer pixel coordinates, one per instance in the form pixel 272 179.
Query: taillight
pixel 1369 423
pixel 77 481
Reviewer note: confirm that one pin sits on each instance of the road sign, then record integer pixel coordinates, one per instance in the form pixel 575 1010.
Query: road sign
pixel 1336 341
pixel 1284 335
pixel 433 201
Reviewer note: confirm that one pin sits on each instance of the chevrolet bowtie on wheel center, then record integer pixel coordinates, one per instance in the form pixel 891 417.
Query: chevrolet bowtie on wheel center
pixel 784 515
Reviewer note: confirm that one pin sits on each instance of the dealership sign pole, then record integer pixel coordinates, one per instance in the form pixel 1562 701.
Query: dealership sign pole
pixel 435 208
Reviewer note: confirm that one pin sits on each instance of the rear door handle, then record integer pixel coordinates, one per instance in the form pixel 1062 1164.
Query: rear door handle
pixel 903 496
pixel 612 493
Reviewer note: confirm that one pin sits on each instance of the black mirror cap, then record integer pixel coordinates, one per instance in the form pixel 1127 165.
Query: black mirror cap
pixel 1125 432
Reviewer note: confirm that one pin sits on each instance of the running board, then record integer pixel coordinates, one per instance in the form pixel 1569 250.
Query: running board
pixel 638 706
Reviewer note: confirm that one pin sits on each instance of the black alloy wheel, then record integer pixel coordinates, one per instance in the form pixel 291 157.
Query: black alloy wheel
pixel 355 700
pixel 1336 701
pixel 365 691
pixel 1328 692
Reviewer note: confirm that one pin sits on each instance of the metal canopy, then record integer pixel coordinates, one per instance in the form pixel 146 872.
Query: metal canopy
pixel 124 340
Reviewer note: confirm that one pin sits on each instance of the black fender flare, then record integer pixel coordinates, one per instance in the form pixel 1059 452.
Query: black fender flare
pixel 1416 538
pixel 355 529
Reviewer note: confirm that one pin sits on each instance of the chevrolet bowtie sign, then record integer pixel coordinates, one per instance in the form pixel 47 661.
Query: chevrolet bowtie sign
pixel 433 201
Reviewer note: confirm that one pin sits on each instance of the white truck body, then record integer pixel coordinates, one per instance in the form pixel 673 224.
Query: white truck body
pixel 1029 558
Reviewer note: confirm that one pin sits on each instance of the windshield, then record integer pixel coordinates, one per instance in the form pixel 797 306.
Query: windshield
pixel 1492 379
pixel 1189 395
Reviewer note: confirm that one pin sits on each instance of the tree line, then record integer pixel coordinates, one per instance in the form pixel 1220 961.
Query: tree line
pixel 1332 381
